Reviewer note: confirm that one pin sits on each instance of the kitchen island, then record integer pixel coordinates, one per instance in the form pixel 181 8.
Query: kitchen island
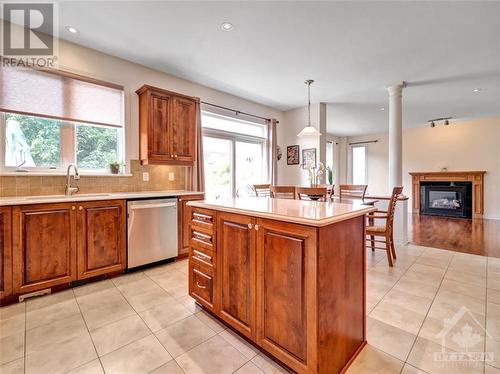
pixel 288 275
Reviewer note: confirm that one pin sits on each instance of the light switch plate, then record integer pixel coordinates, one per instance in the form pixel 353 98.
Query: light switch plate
pixel 171 177
pixel 145 177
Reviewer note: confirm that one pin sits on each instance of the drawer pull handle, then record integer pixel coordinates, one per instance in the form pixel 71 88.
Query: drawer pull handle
pixel 200 236
pixel 202 217
pixel 250 226
pixel 257 227
pixel 202 256
pixel 200 286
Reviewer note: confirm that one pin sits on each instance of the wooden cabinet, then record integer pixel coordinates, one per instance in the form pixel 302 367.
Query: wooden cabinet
pixel 55 244
pixel 184 222
pixel 5 253
pixel 286 257
pixel 236 271
pixel 44 246
pixel 296 291
pixel 101 238
pixel 167 127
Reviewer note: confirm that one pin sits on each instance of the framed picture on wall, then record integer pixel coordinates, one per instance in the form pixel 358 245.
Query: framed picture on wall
pixel 292 155
pixel 309 158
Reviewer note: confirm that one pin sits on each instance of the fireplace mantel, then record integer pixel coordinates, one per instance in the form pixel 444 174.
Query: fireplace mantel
pixel 475 177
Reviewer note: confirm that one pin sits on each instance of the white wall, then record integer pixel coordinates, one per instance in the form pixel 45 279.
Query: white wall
pixel 102 66
pixel 293 122
pixel 467 145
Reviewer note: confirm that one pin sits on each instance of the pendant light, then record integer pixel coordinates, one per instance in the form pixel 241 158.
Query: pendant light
pixel 309 130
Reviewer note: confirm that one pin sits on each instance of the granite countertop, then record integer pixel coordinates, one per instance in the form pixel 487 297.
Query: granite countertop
pixel 312 213
pixel 23 200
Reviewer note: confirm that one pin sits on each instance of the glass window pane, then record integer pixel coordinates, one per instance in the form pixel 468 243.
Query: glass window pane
pixel 359 165
pixel 216 122
pixel 96 146
pixel 218 168
pixel 329 162
pixel 249 165
pixel 32 141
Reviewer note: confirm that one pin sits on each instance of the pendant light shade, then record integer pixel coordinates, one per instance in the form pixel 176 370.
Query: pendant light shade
pixel 309 130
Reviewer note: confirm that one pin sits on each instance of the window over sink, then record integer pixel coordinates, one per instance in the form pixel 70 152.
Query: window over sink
pixel 49 119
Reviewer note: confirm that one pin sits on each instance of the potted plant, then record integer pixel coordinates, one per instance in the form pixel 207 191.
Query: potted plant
pixel 329 172
pixel 114 167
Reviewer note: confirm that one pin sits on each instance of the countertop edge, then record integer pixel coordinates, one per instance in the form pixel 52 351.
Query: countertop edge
pixel 278 217
pixel 30 200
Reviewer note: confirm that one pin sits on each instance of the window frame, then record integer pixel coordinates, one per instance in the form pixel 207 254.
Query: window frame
pixel 68 149
pixel 234 137
pixel 352 161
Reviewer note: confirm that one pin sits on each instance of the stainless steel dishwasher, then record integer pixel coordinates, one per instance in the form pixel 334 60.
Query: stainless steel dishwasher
pixel 152 231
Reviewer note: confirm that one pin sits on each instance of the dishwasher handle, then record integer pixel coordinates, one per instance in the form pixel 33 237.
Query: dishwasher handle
pixel 152 206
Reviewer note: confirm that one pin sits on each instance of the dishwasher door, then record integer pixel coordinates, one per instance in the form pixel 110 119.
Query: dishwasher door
pixel 152 231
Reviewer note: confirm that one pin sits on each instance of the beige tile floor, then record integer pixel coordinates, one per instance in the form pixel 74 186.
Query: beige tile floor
pixel 145 322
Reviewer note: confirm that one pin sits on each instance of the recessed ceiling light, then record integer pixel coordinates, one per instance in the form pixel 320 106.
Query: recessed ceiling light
pixel 226 26
pixel 382 108
pixel 71 29
pixel 477 89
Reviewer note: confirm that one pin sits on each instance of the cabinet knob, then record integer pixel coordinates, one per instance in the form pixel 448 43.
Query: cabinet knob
pixel 73 207
pixel 257 227
pixel 80 207
pixel 250 226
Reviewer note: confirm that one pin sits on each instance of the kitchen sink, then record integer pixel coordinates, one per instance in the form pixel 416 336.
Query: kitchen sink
pixel 52 197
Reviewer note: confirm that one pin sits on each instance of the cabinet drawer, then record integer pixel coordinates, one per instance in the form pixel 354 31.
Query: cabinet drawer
pixel 202 239
pixel 203 218
pixel 201 286
pixel 203 256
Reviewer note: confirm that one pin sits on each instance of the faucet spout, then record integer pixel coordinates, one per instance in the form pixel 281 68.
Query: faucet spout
pixel 69 189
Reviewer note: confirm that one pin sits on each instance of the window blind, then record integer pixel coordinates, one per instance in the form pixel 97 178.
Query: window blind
pixel 60 95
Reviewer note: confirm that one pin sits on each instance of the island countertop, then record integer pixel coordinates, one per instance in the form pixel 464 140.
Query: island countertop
pixel 311 213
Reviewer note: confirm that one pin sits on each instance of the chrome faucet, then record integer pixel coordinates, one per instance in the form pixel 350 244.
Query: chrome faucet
pixel 71 190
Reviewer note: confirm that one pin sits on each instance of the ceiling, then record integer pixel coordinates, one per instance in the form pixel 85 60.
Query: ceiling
pixel 352 49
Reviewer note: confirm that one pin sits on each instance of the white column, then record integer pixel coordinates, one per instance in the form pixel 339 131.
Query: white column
pixel 396 160
pixel 396 135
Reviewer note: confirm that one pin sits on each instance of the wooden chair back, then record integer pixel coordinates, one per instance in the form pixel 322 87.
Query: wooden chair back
pixel 305 193
pixel 262 190
pixel 391 208
pixel 283 192
pixel 353 191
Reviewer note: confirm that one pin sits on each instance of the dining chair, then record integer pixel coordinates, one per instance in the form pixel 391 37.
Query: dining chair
pixel 352 191
pixel 312 193
pixel 386 231
pixel 262 190
pixel 282 192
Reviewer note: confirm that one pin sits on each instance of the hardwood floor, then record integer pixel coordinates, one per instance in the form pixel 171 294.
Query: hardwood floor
pixel 478 236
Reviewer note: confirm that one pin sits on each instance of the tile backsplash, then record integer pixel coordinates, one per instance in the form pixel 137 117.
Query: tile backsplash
pixel 26 185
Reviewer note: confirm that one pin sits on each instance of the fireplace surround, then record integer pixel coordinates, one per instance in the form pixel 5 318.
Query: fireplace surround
pixel 474 178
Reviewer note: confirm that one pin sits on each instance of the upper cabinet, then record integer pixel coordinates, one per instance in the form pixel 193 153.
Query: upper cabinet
pixel 167 127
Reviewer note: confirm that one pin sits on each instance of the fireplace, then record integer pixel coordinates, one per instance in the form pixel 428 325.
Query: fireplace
pixel 449 199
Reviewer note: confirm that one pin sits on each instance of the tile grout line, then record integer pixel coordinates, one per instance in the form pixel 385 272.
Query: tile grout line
pixel 427 314
pixel 390 289
pixel 88 331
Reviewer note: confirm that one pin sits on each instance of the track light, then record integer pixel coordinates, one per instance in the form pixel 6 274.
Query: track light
pixel 446 122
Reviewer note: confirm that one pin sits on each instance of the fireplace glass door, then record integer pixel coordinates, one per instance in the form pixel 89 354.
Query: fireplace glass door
pixel 443 200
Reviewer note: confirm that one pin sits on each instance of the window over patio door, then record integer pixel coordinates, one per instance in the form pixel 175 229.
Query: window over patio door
pixel 234 154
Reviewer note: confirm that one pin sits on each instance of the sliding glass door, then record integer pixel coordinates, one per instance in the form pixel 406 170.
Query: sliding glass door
pixel 234 154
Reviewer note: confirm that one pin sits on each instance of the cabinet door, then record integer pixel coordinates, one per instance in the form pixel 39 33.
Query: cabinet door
pixel 5 252
pixel 44 246
pixel 184 222
pixel 286 260
pixel 101 238
pixel 159 127
pixel 183 129
pixel 236 271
